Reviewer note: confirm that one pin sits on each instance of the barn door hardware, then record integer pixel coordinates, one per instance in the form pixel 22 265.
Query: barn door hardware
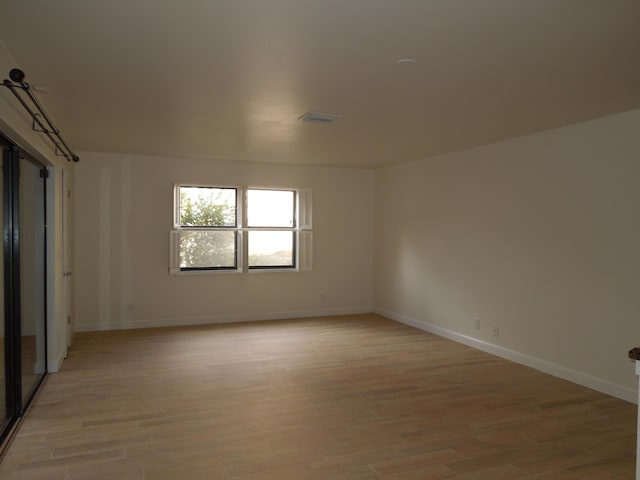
pixel 41 121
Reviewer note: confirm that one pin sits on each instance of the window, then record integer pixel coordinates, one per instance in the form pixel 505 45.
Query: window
pixel 240 229
pixel 271 222
pixel 208 234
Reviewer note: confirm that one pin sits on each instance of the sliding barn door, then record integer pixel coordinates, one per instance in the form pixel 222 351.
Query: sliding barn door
pixel 23 288
pixel 5 416
pixel 32 277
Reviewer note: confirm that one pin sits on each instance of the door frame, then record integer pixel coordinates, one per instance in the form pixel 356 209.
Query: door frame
pixel 66 261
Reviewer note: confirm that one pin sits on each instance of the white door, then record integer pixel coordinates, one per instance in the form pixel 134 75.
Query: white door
pixel 66 261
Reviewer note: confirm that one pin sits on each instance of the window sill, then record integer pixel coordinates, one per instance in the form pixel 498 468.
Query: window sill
pixel 204 272
pixel 260 271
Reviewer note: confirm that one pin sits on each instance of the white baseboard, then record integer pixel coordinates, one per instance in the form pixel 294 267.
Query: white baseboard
pixel 54 364
pixel 39 367
pixel 215 319
pixel 554 369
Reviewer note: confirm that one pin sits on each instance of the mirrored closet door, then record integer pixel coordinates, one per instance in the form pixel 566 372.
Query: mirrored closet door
pixel 23 276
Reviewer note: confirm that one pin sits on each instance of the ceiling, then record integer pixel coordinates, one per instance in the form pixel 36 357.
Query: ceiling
pixel 229 79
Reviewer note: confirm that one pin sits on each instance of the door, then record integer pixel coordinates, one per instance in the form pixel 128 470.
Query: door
pixel 4 367
pixel 66 260
pixel 23 283
pixel 32 273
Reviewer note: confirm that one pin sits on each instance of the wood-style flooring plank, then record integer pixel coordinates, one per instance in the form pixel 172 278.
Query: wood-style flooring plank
pixel 352 398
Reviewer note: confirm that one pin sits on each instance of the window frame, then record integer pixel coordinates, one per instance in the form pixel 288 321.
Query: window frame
pixel 178 228
pixel 301 230
pixel 248 229
pixel 176 208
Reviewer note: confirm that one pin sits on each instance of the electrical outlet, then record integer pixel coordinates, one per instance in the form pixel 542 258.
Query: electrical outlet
pixel 476 323
pixel 496 331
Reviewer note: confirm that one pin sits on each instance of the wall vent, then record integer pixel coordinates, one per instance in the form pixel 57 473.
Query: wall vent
pixel 319 117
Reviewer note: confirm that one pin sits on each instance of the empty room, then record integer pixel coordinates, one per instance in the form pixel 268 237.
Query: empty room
pixel 319 239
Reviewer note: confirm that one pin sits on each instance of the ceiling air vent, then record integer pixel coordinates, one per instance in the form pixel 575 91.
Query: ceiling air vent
pixel 319 117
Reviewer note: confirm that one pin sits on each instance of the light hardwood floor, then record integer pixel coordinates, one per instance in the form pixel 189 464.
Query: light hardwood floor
pixel 356 397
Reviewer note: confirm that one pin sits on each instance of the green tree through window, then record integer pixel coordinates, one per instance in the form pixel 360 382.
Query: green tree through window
pixel 240 229
pixel 207 207
pixel 209 216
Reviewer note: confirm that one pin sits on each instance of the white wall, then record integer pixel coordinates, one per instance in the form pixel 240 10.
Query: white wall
pixel 123 216
pixel 539 235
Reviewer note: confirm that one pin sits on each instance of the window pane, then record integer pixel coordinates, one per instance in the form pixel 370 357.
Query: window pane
pixel 270 208
pixel 271 249
pixel 207 249
pixel 207 207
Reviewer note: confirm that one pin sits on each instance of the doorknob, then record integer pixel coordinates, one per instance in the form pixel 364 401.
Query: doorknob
pixel 66 274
